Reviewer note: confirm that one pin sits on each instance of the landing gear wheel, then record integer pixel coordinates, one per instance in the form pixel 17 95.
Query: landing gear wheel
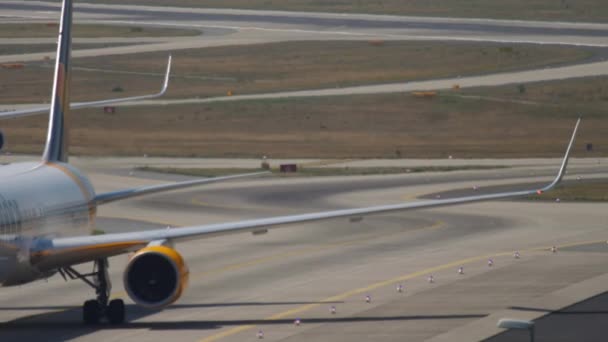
pixel 91 312
pixel 116 311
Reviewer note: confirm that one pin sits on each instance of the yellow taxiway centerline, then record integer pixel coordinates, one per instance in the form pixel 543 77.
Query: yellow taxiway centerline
pixel 278 256
pixel 374 286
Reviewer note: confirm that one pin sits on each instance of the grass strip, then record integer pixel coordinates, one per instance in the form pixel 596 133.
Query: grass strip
pixel 315 171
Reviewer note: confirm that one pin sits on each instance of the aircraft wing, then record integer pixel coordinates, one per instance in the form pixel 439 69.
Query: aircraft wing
pixel 60 252
pixel 80 105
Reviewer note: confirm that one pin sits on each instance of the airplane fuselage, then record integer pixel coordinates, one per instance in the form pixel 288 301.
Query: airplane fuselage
pixel 38 202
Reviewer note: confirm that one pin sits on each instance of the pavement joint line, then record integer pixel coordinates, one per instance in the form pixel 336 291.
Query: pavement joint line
pixel 302 251
pixel 413 196
pixel 574 244
pixel 135 218
pixel 139 218
pixel 327 162
pixel 376 285
pixel 197 202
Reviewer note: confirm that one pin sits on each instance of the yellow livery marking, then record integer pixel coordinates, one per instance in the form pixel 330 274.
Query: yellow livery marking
pixel 111 245
pixel 85 191
pixel 345 295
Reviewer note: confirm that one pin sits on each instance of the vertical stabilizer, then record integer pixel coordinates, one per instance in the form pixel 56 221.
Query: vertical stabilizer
pixel 56 149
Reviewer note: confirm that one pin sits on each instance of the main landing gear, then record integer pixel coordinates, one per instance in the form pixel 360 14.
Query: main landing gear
pixel 95 309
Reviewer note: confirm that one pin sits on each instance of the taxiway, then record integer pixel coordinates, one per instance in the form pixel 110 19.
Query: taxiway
pixel 243 283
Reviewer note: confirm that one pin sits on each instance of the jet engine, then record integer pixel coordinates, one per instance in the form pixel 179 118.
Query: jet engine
pixel 156 276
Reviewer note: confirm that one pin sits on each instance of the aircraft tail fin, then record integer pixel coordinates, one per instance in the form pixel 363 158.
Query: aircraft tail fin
pixel 56 149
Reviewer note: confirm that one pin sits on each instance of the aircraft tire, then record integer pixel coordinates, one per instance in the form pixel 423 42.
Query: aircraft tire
pixel 91 312
pixel 116 311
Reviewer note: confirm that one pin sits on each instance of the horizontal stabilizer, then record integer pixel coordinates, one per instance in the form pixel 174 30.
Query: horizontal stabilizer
pixel 135 192
pixel 102 103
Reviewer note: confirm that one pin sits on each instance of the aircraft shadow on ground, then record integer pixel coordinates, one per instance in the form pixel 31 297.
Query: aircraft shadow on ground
pixel 171 307
pixel 561 312
pixel 584 320
pixel 67 324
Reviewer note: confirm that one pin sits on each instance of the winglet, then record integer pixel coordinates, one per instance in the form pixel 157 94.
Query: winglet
pixel 562 169
pixel 163 90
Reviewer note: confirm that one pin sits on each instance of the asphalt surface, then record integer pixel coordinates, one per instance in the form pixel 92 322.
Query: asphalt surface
pixel 583 321
pixel 328 21
pixel 588 317
pixel 242 284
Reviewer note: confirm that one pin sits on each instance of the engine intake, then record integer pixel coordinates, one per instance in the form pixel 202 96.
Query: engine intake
pixel 156 276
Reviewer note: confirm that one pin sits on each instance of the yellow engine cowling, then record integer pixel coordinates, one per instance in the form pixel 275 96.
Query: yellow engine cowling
pixel 156 276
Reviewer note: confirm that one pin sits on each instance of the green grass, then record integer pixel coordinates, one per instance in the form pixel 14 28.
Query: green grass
pixel 595 191
pixel 198 172
pixel 563 10
pixel 284 66
pixel 366 126
pixel 304 171
pixel 484 122
pixel 31 30
pixel 587 96
pixel 18 49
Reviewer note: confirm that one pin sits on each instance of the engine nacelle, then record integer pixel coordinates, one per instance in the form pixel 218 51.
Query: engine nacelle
pixel 156 276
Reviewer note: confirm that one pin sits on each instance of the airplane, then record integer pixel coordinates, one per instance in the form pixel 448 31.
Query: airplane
pixel 48 210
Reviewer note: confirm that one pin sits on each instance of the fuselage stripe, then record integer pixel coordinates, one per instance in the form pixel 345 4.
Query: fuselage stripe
pixel 84 189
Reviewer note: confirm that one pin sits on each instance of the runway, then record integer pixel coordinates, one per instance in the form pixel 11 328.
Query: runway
pixel 245 27
pixel 242 284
